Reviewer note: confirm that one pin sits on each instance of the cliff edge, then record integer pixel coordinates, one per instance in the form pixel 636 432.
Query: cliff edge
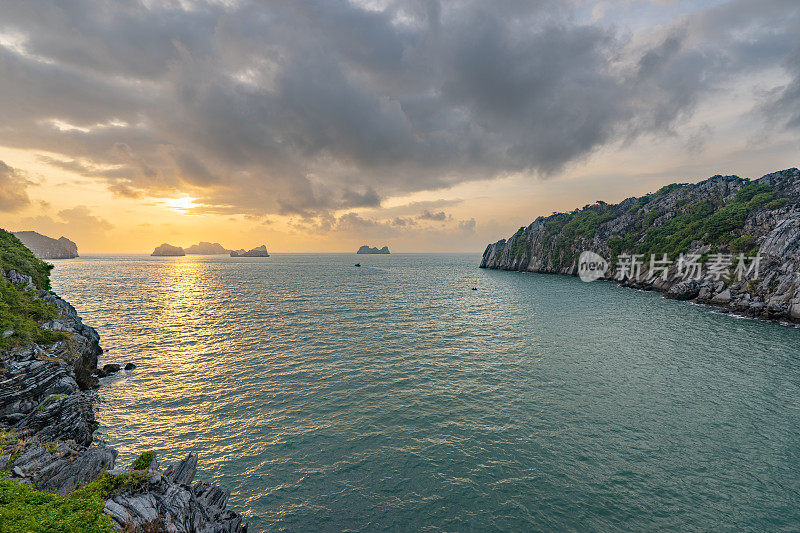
pixel 725 241
pixel 58 478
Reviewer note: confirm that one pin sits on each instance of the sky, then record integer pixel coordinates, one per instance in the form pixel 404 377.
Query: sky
pixel 424 125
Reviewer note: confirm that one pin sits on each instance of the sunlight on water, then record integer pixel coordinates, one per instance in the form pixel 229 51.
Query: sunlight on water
pixel 392 396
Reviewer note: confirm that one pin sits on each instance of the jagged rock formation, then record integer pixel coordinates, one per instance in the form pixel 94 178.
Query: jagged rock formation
pixel 717 219
pixel 171 501
pixel 45 247
pixel 260 251
pixel 47 423
pixel 167 250
pixel 367 250
pixel 206 248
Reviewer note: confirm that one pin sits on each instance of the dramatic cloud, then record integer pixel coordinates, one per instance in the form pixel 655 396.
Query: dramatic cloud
pixel 309 106
pixel 77 223
pixel 467 226
pixel 13 193
pixel 427 215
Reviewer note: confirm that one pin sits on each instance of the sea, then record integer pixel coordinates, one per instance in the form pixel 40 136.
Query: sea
pixel 395 397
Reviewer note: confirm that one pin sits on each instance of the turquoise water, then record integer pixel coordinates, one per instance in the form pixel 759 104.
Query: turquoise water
pixel 392 397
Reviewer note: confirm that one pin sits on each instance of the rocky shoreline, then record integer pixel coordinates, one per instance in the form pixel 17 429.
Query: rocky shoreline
pixel 47 423
pixel 722 218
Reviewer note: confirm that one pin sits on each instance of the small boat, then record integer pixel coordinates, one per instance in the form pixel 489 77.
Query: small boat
pixel 474 288
pixel 358 264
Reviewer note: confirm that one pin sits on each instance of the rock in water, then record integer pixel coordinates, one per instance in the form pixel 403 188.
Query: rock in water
pixel 167 250
pixel 111 368
pixel 130 366
pixel 206 248
pixel 260 251
pixel 367 250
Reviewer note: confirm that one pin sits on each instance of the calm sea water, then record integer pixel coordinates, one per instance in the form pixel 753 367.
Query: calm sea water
pixel 392 397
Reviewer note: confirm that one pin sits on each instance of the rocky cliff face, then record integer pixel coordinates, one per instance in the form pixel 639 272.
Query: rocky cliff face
pixel 46 427
pixel 45 247
pixel 711 232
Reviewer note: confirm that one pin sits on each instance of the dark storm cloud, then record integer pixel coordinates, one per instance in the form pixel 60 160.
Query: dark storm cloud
pixel 785 108
pixel 307 106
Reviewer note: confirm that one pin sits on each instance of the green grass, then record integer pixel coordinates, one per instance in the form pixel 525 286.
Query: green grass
pixel 15 256
pixel 23 508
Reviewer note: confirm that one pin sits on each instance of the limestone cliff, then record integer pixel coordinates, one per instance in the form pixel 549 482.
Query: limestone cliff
pixel 373 250
pixel 45 247
pixel 719 222
pixel 258 251
pixel 167 250
pixel 207 248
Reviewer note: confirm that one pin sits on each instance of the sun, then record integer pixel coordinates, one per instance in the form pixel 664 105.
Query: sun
pixel 180 205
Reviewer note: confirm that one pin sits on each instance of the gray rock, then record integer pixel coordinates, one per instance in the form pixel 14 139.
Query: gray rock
pixel 170 502
pixel 20 279
pixel 62 468
pixel 130 366
pixel 723 297
pixel 185 471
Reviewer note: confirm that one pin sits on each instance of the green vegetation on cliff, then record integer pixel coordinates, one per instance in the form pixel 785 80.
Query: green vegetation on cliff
pixel 21 311
pixel 720 214
pixel 23 508
pixel 707 222
pixel 144 461
pixel 15 256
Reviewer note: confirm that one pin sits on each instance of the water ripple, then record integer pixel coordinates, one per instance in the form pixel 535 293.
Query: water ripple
pixel 394 398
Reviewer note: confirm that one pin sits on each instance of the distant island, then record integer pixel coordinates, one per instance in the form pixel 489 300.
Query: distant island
pixel 260 251
pixel 367 250
pixel 167 250
pixel 44 247
pixel 207 248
